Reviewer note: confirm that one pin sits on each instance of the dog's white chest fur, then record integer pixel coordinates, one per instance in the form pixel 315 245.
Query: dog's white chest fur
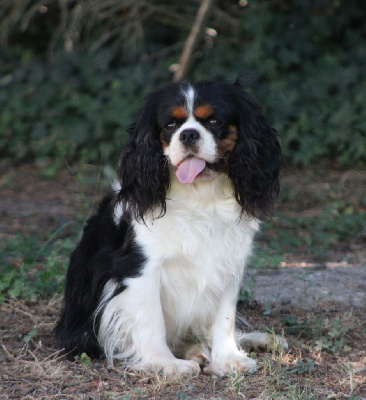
pixel 201 246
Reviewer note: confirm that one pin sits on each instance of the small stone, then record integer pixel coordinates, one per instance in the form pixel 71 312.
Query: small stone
pixel 285 301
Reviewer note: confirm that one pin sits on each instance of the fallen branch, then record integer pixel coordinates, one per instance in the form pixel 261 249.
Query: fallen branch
pixel 196 31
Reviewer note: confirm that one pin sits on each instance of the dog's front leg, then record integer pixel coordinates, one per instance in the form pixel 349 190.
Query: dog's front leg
pixel 133 327
pixel 225 354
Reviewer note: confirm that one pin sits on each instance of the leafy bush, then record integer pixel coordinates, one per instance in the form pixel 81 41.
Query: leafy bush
pixel 303 61
pixel 74 111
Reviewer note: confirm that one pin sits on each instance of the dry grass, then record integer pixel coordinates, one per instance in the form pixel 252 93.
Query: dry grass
pixel 318 365
pixel 32 368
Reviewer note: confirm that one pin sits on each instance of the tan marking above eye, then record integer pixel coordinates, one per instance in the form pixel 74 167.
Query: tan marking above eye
pixel 179 112
pixel 203 112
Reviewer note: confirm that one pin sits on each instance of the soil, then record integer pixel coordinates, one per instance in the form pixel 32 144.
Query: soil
pixel 302 287
pixel 31 204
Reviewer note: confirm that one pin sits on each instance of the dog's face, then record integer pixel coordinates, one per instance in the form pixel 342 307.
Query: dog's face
pixel 198 132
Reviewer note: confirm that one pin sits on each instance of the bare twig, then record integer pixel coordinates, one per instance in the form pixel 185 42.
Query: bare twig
pixel 242 321
pixel 196 31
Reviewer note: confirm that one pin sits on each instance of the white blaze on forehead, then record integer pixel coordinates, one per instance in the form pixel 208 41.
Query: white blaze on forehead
pixel 189 95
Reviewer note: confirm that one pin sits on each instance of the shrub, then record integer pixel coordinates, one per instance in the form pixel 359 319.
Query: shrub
pixel 302 60
pixel 73 111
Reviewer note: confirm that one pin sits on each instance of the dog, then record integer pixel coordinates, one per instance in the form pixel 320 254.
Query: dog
pixel 156 275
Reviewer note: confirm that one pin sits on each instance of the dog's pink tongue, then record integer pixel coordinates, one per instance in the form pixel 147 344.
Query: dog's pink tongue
pixel 189 169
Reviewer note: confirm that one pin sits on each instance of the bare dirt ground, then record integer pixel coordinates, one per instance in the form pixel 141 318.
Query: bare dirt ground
pixel 307 300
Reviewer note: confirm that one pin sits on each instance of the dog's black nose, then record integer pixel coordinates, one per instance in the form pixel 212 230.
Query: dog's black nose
pixel 189 137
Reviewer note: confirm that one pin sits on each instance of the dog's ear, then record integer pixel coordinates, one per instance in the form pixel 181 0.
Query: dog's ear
pixel 143 170
pixel 255 161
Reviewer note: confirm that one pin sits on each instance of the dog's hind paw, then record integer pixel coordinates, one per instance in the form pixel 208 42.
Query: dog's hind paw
pixel 263 341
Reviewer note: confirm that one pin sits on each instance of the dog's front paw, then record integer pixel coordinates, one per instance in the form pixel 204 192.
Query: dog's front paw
pixel 182 367
pixel 172 366
pixel 239 361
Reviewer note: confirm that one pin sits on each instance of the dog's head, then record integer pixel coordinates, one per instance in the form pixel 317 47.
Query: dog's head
pixel 196 132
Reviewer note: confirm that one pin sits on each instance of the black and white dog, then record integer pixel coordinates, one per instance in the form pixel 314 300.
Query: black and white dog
pixel 163 259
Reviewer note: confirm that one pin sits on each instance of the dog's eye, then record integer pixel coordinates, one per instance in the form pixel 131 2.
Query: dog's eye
pixel 171 126
pixel 214 123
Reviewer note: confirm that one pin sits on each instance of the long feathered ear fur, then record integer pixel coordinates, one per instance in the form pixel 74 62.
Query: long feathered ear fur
pixel 255 161
pixel 143 170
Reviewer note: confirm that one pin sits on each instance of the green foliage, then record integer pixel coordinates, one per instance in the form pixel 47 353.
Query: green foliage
pixel 318 234
pixel 303 61
pixel 29 270
pixel 85 360
pixel 298 328
pixel 247 293
pixel 73 113
pixel 333 340
pixel 303 367
pixel 329 335
pixel 31 334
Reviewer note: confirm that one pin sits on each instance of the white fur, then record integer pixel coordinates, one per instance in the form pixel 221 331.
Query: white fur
pixel 189 94
pixel 196 255
pixel 118 209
